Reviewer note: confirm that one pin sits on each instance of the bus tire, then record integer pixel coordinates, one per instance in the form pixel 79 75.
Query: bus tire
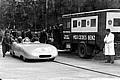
pixel 85 51
pixel 82 50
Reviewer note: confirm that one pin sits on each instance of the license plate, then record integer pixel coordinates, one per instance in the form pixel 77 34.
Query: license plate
pixel 68 46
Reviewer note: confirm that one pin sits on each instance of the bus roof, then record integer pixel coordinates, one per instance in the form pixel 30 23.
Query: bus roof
pixel 104 10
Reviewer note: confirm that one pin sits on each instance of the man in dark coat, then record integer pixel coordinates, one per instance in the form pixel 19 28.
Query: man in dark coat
pixel 43 36
pixel 7 30
pixel 35 38
pixel 6 43
pixel 29 34
pixel 22 34
pixel 14 33
pixel 57 37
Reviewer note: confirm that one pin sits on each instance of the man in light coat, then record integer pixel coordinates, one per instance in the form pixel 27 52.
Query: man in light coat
pixel 109 46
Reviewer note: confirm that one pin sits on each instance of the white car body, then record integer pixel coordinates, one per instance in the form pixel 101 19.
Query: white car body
pixel 36 50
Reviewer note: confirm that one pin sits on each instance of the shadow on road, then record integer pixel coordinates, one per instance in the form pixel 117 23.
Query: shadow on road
pixel 99 57
pixel 28 60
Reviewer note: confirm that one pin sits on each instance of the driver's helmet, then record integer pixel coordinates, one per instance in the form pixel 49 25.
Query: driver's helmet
pixel 26 39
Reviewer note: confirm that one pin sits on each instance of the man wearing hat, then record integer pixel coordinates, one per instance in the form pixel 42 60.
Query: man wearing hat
pixel 109 46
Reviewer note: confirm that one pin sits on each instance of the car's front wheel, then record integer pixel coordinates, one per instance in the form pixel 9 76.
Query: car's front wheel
pixel 23 58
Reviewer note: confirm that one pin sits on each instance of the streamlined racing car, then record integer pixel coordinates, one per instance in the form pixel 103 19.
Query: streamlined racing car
pixel 33 50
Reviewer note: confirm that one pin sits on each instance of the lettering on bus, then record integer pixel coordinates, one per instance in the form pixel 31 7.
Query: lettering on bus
pixel 84 37
pixel 66 31
pixel 91 37
pixel 66 37
pixel 80 37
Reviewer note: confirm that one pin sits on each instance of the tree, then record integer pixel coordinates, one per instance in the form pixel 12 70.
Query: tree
pixel 33 14
pixel 4 12
pixel 90 5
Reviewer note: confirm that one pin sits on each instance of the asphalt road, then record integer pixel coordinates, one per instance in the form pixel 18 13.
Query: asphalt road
pixel 15 69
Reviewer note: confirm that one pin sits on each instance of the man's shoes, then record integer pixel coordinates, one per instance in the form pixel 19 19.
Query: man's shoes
pixel 112 62
pixel 3 56
pixel 107 61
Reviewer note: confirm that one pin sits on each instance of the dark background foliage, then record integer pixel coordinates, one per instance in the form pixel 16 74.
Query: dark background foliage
pixel 40 13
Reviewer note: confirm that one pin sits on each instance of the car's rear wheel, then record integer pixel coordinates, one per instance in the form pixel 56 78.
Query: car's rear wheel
pixel 23 58
pixel 12 53
pixel 52 59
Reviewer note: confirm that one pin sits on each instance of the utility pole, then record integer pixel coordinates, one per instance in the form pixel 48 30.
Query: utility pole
pixel 46 8
pixel 14 6
pixel 35 13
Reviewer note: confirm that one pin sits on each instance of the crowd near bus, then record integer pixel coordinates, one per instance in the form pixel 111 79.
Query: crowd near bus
pixel 47 36
pixel 85 33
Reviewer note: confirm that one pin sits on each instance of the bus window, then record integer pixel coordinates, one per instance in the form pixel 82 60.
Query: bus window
pixel 116 22
pixel 83 23
pixel 74 23
pixel 68 24
pixel 93 22
pixel 79 23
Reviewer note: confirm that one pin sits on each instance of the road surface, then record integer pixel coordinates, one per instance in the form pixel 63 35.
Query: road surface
pixel 15 69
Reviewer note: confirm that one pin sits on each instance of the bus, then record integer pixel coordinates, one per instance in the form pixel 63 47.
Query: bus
pixel 84 32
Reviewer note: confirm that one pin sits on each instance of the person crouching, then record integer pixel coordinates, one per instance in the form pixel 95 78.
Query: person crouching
pixel 6 43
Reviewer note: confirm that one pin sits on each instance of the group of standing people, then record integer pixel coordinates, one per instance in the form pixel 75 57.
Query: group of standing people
pixel 11 36
pixel 50 36
pixel 7 40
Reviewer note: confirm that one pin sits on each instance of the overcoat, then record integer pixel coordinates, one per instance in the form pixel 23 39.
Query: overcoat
pixel 43 37
pixel 109 44
pixel 6 42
